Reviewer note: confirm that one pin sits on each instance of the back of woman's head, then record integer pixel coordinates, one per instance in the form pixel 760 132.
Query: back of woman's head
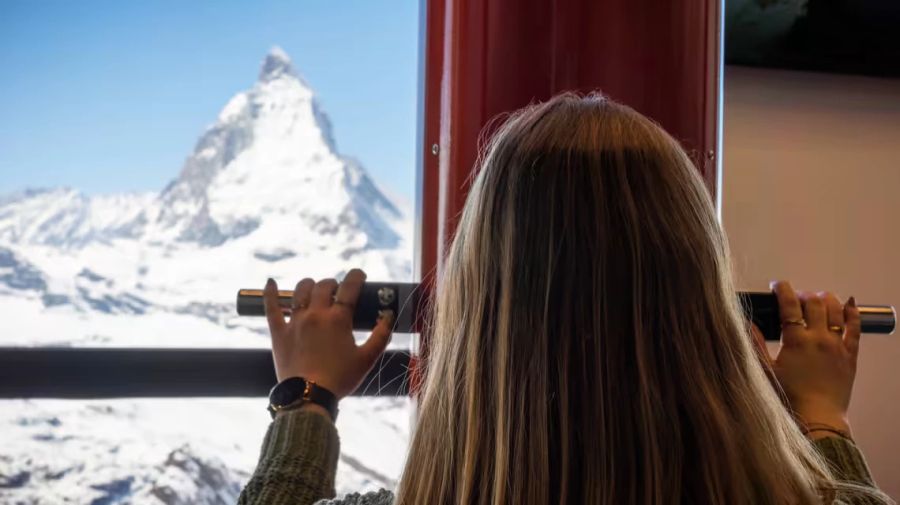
pixel 587 345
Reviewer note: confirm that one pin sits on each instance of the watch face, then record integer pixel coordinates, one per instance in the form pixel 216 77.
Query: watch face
pixel 277 397
pixel 287 391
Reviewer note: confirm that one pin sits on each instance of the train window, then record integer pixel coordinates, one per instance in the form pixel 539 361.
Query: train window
pixel 153 160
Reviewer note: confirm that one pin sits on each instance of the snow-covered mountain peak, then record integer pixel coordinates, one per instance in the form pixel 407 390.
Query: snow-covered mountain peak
pixel 268 162
pixel 271 153
pixel 67 218
pixel 276 64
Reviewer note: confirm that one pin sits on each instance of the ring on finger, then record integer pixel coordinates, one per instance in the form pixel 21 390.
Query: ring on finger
pixel 299 306
pixel 836 328
pixel 794 322
pixel 345 304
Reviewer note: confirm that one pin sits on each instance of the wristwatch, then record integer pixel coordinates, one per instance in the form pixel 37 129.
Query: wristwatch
pixel 297 391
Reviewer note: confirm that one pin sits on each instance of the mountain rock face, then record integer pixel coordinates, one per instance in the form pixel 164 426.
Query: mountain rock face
pixel 265 193
pixel 244 162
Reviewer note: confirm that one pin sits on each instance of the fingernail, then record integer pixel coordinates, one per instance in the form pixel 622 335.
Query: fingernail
pixel 772 284
pixel 852 301
pixel 387 315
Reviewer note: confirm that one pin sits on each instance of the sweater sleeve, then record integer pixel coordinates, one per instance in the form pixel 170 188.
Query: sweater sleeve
pixel 849 466
pixel 297 462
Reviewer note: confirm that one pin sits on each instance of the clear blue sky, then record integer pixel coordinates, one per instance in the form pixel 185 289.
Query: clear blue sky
pixel 107 96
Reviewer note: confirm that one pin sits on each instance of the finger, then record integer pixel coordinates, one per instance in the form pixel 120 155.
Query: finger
pixel 378 341
pixel 274 316
pixel 834 313
pixel 323 293
pixel 760 343
pixel 814 311
pixel 852 326
pixel 789 309
pixel 788 304
pixel 302 293
pixel 348 291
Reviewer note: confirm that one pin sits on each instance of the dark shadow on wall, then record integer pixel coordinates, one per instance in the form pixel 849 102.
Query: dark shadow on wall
pixel 837 36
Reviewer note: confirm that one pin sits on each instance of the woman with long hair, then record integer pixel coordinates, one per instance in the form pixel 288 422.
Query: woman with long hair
pixel 586 345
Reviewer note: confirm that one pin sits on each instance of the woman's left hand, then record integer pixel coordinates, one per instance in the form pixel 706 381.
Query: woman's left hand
pixel 816 363
pixel 317 342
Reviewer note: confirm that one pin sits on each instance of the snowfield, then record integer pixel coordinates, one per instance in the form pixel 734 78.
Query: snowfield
pixel 265 193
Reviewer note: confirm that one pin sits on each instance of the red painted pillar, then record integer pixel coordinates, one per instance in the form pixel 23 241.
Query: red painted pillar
pixel 432 60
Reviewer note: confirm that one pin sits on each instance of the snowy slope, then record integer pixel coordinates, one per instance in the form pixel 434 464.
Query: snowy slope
pixel 265 193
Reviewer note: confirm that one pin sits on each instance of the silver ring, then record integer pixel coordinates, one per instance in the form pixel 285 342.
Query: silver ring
pixel 345 304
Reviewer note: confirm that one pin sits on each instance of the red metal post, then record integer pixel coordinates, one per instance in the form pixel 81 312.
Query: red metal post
pixel 432 46
pixel 428 191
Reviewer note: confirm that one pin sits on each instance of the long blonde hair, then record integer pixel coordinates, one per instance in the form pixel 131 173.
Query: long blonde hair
pixel 587 345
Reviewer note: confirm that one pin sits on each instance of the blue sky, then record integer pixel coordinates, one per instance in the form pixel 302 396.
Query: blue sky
pixel 109 96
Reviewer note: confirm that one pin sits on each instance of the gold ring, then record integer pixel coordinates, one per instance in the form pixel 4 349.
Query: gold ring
pixel 835 328
pixel 300 306
pixel 793 322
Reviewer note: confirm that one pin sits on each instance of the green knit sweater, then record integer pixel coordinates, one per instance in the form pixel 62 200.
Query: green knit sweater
pixel 300 453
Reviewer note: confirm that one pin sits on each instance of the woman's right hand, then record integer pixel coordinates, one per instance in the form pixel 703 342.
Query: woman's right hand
pixel 317 342
pixel 816 364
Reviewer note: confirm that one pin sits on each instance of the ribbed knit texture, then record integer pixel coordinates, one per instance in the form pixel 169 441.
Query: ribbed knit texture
pixel 297 462
pixel 300 452
pixel 848 465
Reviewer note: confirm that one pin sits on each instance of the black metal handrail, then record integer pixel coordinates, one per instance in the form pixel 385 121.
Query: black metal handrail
pixel 72 372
